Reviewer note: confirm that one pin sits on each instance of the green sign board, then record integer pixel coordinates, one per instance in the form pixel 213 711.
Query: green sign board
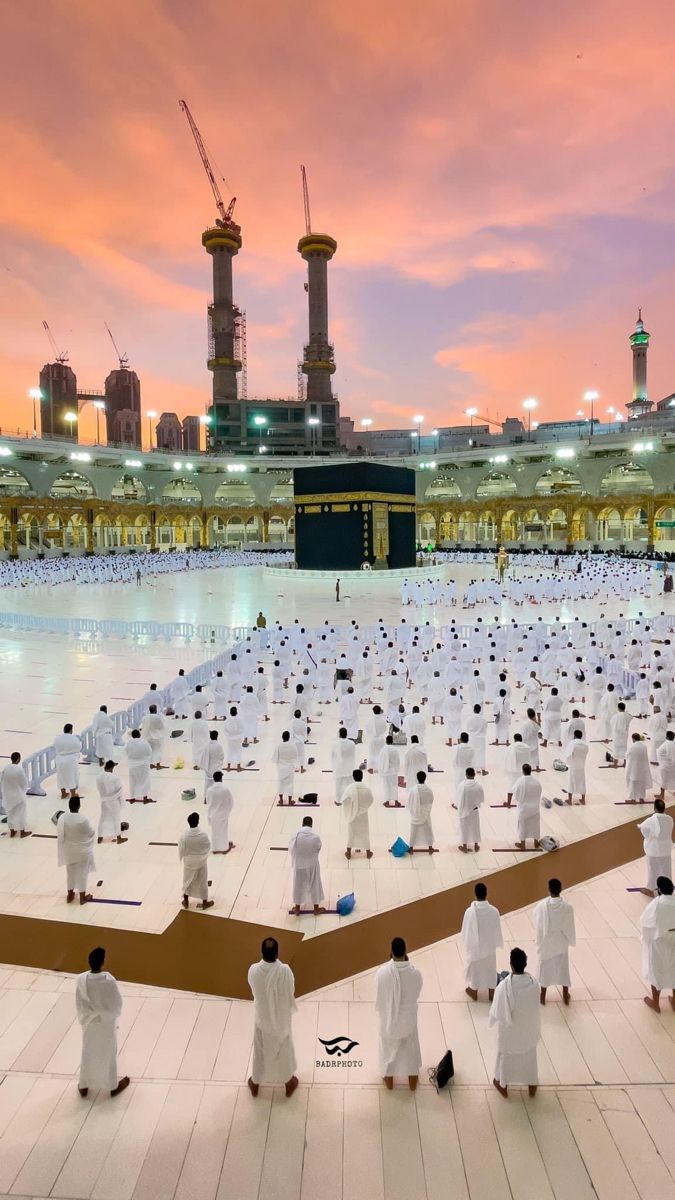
pixel 665 524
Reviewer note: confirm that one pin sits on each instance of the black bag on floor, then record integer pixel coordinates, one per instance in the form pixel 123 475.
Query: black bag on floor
pixel 441 1075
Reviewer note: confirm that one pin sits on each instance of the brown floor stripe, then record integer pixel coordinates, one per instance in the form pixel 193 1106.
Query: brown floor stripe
pixel 201 954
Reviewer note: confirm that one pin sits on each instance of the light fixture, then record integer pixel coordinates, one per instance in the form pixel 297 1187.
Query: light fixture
pixel 177 466
pixel 591 396
pixel 80 456
pixel 70 416
pixel 236 468
pixel 530 403
pixel 5 452
pixel 35 393
pixel 133 462
pixel 499 458
pixel 99 404
pixel 642 447
pixel 206 419
pixel 565 452
pixel 262 449
pixel 434 433
pixel 260 420
pixel 189 467
pixel 470 412
pixel 313 421
pixel 366 422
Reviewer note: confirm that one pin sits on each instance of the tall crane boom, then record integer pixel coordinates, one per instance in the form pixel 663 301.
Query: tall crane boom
pixel 122 358
pixel 305 199
pixel 60 355
pixel 226 214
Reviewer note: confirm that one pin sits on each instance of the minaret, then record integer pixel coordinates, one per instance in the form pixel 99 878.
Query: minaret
pixel 318 364
pixel 639 341
pixel 222 242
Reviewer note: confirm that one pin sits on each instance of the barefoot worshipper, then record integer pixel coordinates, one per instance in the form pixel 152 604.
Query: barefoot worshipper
pixel 75 837
pixel 515 1011
pixel 555 933
pixel 304 849
pixel 273 988
pixel 193 852
pixel 98 1003
pixel 398 986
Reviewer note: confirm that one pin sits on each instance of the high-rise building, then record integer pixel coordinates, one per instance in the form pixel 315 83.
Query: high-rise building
pixel 126 428
pixel 318 364
pixel 191 434
pixel 169 432
pixel 58 385
pixel 122 395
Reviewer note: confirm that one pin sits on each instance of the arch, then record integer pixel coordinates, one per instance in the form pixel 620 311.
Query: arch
pixel 583 526
pixel 282 492
pixel 13 483
pixel 182 490
pixel 443 487
pixel 664 533
pixel 486 528
pixel 557 481
pixel 466 526
pixel 234 491
pixel 277 530
pixel 625 477
pixel 129 487
pixel 511 526
pixel 448 531
pixel 72 483
pixel 496 483
pixel 426 527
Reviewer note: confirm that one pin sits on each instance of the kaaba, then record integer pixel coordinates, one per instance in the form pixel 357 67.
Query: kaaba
pixel 354 513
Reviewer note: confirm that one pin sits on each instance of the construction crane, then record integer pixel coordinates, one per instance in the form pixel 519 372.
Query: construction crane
pixel 122 358
pixel 305 199
pixel 60 356
pixel 226 219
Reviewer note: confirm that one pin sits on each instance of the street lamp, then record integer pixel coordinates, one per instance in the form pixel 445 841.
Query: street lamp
pixel 99 405
pixel 590 398
pixel 471 413
pixel 260 423
pixel 314 433
pixel 366 422
pixel 35 395
pixel 205 421
pixel 435 434
pixel 70 418
pixel 529 405
pixel 150 414
pixel 418 421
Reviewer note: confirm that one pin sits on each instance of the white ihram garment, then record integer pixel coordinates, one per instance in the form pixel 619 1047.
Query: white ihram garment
pixel 193 852
pixel 68 748
pixel 398 987
pixel 139 757
pixel 420 802
pixel 527 797
pixel 343 755
pixel 219 806
pixel 665 757
pixel 356 800
pixel 638 774
pixel 98 1004
pixel 285 756
pixel 555 933
pixel 273 988
pixel 481 937
pixel 304 848
pixel 515 1011
pixel 657 832
pixel 658 942
pixel 102 728
pixel 75 849
pixel 576 753
pixel 153 729
pixel 387 768
pixel 109 788
pixel 470 796
pixel 14 789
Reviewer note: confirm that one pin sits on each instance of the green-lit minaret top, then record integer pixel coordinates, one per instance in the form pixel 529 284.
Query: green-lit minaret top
pixel 639 337
pixel 639 341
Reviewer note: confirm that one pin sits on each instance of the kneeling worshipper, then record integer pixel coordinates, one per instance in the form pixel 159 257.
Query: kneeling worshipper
pixel 357 799
pixel 657 933
pixel 420 804
pixel 515 1011
pixel 219 806
pixel 14 788
pixel 68 748
pixel 657 832
pixel 98 1004
pixel 304 848
pixel 398 986
pixel 75 849
pixel 555 933
pixel 273 986
pixel 139 755
pixel 481 937
pixel 527 795
pixel 102 729
pixel 109 788
pixel 193 852
pixel 470 796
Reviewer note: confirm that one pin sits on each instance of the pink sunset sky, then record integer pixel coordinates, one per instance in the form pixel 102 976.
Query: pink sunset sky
pixel 498 176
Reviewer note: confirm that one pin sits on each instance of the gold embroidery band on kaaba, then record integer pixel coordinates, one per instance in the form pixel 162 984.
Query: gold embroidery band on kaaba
pixel 333 497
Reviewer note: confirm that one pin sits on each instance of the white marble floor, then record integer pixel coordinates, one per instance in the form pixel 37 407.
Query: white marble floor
pixel 50 679
pixel 601 1126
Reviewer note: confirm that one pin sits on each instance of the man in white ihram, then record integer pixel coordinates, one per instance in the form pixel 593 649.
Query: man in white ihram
pixel 14 789
pixel 527 795
pixel 273 987
pixel 398 986
pixel 482 938
pixel 555 933
pixel 304 848
pixel 109 788
pixel 75 837
pixel 657 832
pixel 98 1004
pixel 219 803
pixel 193 852
pixel 657 934
pixel 420 804
pixel 357 799
pixel 515 1011
pixel 139 755
pixel 68 748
